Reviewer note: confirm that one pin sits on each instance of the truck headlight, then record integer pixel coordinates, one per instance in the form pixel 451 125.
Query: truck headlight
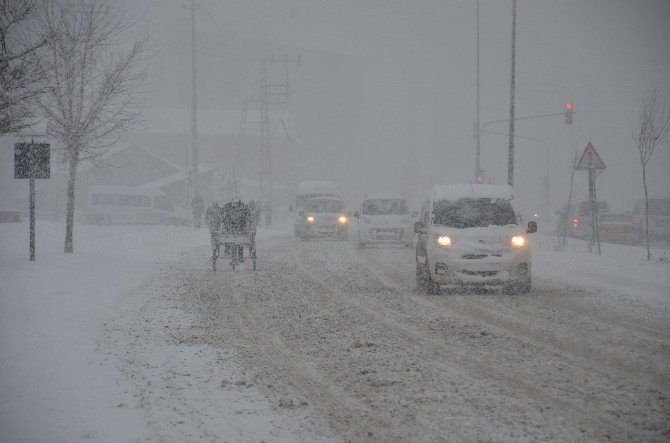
pixel 310 219
pixel 342 220
pixel 518 241
pixel 443 240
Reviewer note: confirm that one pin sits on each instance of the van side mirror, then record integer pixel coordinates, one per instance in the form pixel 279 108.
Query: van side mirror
pixel 532 227
pixel 419 228
pixel 356 214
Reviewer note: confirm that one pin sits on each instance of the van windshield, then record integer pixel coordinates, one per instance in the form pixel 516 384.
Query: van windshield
pixel 385 206
pixel 327 206
pixel 474 212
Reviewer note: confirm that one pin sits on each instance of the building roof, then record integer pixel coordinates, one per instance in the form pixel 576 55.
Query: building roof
pixel 176 178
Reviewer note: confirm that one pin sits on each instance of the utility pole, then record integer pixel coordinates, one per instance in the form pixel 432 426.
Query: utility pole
pixel 271 94
pixel 510 154
pixel 194 107
pixel 239 155
pixel 477 129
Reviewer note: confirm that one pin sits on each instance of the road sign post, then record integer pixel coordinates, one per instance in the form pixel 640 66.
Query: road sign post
pixel 32 161
pixel 591 161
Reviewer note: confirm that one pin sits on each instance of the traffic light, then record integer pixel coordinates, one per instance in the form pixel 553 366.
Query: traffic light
pixel 568 113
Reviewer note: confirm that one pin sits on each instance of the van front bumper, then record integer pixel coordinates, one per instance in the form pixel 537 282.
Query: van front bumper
pixel 489 269
pixel 394 234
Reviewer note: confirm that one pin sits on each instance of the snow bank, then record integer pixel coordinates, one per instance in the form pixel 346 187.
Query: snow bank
pixel 621 269
pixel 54 387
pixel 55 383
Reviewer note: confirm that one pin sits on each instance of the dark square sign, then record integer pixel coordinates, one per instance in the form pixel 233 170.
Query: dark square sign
pixel 32 160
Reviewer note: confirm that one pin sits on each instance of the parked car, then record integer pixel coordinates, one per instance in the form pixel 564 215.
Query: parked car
pixel 384 220
pixel 471 235
pixel 617 228
pixel 578 218
pixel 323 217
pixel 659 218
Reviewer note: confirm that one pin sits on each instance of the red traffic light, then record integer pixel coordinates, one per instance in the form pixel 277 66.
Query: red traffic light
pixel 480 179
pixel 568 106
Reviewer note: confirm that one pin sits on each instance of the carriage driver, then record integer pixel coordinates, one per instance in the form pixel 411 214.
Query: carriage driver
pixel 236 219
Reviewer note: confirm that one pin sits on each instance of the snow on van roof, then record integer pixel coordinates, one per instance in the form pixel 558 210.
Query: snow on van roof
pixel 317 187
pixel 454 192
pixel 325 197
pixel 384 197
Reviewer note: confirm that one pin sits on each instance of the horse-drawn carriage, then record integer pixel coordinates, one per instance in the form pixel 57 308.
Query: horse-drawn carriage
pixel 233 246
pixel 234 227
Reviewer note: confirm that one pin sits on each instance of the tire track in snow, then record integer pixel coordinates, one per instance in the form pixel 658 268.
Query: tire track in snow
pixel 567 405
pixel 544 336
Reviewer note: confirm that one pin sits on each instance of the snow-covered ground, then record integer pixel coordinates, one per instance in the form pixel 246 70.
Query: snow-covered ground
pixel 620 269
pixel 61 378
pixel 132 337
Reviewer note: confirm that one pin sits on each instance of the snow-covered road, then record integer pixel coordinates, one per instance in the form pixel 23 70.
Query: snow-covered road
pixel 134 338
pixel 339 340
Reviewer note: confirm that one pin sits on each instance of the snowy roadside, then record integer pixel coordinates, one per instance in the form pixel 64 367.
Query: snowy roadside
pixel 620 270
pixel 58 382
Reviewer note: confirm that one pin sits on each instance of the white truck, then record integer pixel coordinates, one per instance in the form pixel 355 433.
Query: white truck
pixel 384 220
pixel 471 235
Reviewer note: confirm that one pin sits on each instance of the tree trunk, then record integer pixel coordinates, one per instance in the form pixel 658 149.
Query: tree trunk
pixel 646 211
pixel 69 217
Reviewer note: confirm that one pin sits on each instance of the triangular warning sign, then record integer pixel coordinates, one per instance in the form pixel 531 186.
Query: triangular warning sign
pixel 589 159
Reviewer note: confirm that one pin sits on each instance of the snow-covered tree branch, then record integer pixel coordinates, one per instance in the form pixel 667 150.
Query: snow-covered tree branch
pixel 95 83
pixel 22 76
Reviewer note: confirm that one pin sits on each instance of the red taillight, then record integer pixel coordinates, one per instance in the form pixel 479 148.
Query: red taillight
pixel 575 223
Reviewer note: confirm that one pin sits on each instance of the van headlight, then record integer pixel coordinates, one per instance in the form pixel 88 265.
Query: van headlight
pixel 518 241
pixel 342 220
pixel 310 219
pixel 443 240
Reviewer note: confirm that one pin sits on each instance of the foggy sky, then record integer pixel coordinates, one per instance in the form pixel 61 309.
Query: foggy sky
pixel 393 108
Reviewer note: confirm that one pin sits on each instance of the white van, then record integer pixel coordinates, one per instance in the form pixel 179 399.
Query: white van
pixel 306 190
pixel 323 217
pixel 471 235
pixel 384 220
pixel 108 205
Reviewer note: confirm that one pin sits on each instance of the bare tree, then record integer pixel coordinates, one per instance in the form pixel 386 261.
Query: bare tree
pixel 22 78
pixel 652 129
pixel 96 72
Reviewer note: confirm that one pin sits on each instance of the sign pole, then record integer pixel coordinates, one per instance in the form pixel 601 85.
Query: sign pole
pixel 591 161
pixel 32 161
pixel 592 201
pixel 32 219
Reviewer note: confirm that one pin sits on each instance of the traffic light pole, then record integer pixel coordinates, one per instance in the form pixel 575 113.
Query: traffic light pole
pixel 546 177
pixel 510 152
